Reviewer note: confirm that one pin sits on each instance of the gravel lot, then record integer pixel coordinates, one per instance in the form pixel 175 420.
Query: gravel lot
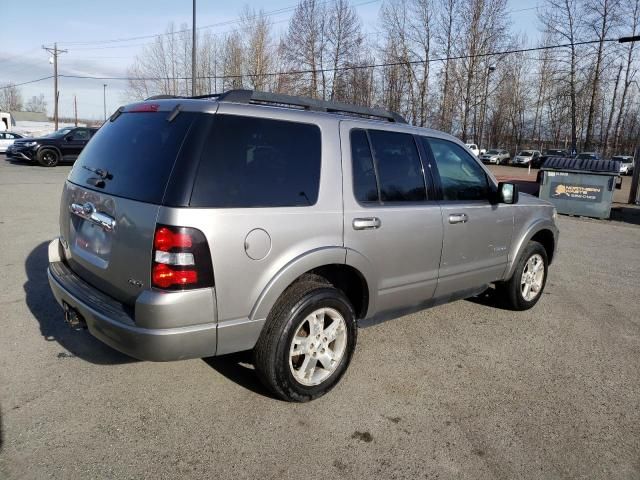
pixel 465 390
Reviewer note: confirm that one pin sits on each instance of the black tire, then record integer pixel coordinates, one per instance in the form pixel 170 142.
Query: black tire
pixel 272 351
pixel 48 157
pixel 510 291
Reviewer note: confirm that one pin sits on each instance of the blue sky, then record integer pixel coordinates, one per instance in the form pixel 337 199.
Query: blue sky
pixel 25 27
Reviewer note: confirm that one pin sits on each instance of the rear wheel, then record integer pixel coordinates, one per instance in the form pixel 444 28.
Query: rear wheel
pixel 307 343
pixel 48 157
pixel 523 290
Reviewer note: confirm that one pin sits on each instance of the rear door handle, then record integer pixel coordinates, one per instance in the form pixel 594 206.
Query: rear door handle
pixel 458 218
pixel 368 223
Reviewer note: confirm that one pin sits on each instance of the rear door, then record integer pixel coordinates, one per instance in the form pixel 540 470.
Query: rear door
pixel 111 199
pixel 477 233
pixel 4 143
pixel 389 215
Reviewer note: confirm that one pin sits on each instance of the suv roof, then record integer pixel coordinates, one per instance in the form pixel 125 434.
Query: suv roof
pixel 254 97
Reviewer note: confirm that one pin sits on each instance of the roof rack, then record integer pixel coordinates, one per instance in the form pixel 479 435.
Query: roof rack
pixel 255 97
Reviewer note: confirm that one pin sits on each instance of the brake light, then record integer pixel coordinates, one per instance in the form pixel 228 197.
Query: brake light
pixel 165 276
pixel 165 240
pixel 181 259
pixel 144 107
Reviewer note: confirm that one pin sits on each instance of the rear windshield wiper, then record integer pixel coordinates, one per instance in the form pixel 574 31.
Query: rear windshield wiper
pixel 103 174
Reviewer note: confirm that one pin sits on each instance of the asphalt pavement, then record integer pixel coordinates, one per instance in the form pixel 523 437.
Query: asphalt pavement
pixel 462 391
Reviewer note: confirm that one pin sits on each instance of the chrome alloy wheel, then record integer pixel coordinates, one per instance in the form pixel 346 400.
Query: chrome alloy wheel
pixel 318 346
pixel 532 277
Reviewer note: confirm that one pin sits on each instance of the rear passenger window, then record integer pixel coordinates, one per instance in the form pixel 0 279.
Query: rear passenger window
pixel 258 162
pixel 398 167
pixel 365 188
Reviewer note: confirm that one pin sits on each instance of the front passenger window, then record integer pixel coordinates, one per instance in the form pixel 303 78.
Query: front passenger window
pixel 460 175
pixel 80 135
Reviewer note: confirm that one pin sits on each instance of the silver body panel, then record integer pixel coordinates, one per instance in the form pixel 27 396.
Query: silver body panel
pixel 413 256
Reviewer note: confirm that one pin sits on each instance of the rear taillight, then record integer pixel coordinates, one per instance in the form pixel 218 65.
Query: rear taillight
pixel 181 259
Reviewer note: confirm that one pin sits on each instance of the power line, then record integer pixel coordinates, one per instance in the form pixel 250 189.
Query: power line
pixel 351 67
pixel 26 83
pixel 326 70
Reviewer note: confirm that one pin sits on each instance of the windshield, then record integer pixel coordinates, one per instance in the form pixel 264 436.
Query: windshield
pixel 493 152
pixel 587 155
pixel 59 133
pixel 525 153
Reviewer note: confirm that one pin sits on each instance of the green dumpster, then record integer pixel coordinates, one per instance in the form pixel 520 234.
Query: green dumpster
pixel 580 186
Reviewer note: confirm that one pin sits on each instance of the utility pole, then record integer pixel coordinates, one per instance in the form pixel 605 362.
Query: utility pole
pixel 193 52
pixel 75 109
pixel 55 51
pixel 104 100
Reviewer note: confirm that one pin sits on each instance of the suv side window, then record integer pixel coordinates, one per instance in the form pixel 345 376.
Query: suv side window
pixel 388 169
pixel 258 162
pixel 460 175
pixel 365 185
pixel 80 134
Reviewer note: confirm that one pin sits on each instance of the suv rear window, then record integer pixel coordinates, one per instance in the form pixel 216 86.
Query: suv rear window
pixel 258 162
pixel 138 150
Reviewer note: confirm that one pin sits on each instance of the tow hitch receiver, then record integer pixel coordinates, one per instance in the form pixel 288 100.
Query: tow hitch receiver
pixel 73 318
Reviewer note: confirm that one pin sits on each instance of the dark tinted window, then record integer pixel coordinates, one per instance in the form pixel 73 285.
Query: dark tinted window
pixel 139 150
pixel 398 165
pixel 80 134
pixel 364 175
pixel 462 178
pixel 258 162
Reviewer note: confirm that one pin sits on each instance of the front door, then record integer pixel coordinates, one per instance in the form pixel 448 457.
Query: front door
pixel 477 232
pixel 74 142
pixel 390 218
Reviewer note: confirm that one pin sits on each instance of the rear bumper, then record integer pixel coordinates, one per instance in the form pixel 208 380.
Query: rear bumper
pixel 114 324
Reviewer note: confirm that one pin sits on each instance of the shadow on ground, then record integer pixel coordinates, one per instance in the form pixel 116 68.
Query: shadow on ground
pixel 626 213
pixel 46 310
pixel 238 367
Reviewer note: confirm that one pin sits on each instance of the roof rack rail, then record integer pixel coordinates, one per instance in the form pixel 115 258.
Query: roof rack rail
pixel 162 97
pixel 265 98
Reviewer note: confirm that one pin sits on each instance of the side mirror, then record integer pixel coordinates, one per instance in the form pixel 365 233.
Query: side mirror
pixel 68 138
pixel 508 193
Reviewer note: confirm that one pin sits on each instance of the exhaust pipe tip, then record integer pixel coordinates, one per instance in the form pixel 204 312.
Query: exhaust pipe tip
pixel 73 318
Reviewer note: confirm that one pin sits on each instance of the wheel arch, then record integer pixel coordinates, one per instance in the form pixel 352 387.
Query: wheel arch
pixel 332 264
pixel 543 231
pixel 49 147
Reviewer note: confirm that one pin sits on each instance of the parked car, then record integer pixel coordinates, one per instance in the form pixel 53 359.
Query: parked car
pixel 549 153
pixel 588 156
pixel 7 139
pixel 496 156
pixel 199 227
pixel 62 145
pixel 626 164
pixel 474 148
pixel 526 158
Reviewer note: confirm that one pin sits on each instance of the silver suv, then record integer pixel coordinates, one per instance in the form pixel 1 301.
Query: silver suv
pixel 199 227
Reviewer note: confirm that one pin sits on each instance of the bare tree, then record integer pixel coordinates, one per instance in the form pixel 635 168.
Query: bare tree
pixel 344 40
pixel 560 19
pixel 304 45
pixel 10 98
pixel 36 104
pixel 601 16
pixel 258 48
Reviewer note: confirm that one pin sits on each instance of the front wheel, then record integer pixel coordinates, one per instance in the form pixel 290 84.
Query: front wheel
pixel 48 157
pixel 523 290
pixel 307 342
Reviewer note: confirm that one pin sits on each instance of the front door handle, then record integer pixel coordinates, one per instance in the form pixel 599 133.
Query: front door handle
pixel 368 223
pixel 458 218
